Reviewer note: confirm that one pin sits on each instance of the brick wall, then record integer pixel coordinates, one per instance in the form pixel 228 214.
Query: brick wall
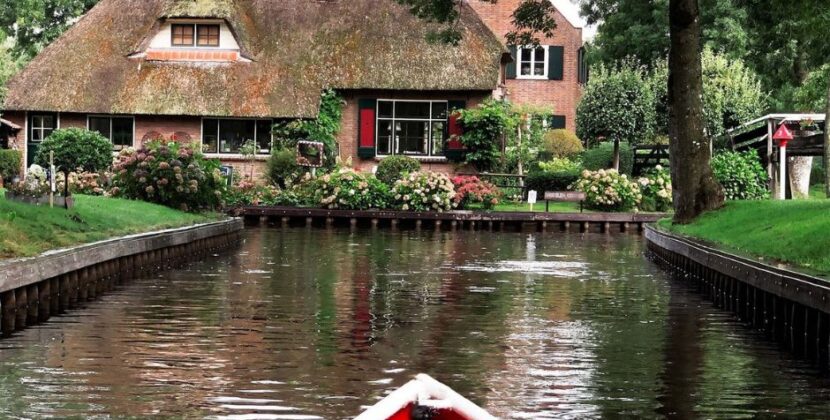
pixel 348 134
pixel 562 95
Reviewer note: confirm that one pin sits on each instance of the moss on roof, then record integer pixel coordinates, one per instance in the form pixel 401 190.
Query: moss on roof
pixel 298 48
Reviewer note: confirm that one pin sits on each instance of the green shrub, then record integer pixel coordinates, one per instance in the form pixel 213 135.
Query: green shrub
pixel 424 191
pixel 393 168
pixel 608 190
pixel 10 161
pixel 350 190
pixel 817 174
pixel 169 174
pixel 76 149
pixel 562 143
pixel 656 188
pixel 561 165
pixel 602 157
pixel 281 168
pixel 542 181
pixel 741 175
pixel 483 127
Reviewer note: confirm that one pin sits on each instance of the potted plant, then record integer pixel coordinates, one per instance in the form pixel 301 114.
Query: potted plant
pixel 807 127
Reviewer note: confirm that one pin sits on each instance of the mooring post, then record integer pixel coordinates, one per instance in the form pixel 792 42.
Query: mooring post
pixel 34 304
pixel 309 222
pixel 63 301
pixel 566 226
pixel 419 224
pixel 544 226
pixel 8 313
pixel 375 223
pixel 454 225
pixel 55 296
pixel 606 227
pixel 438 225
pixel 44 300
pixel 285 221
pixel 395 223
pixel 353 222
pixel 329 222
pixel 22 311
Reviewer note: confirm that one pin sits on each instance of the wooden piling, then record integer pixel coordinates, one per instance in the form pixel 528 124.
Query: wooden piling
pixel 8 313
pixel 22 310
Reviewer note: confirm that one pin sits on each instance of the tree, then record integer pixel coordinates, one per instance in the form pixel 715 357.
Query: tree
pixel 531 18
pixel 75 149
pixel 694 187
pixel 827 147
pixel 33 24
pixel 8 65
pixel 617 105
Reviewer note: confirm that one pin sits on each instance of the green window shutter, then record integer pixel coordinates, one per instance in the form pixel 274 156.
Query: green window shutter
pixel 556 62
pixel 366 111
pixel 557 121
pixel 510 69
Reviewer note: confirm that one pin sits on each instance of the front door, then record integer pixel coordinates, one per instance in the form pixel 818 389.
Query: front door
pixel 41 125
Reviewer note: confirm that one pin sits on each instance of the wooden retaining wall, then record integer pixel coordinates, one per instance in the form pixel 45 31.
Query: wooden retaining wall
pixel 791 308
pixel 473 220
pixel 34 289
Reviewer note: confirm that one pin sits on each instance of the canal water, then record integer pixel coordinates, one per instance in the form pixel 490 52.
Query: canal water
pixel 317 324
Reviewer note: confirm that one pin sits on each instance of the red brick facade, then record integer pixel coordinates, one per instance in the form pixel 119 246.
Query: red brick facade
pixel 563 95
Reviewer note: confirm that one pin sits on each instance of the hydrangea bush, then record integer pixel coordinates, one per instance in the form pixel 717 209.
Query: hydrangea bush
pixel 348 189
pixel 656 190
pixel 472 190
pixel 424 191
pixel 170 174
pixel 607 190
pixel 35 185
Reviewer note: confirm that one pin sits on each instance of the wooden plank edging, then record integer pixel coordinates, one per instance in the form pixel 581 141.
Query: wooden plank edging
pixel 22 272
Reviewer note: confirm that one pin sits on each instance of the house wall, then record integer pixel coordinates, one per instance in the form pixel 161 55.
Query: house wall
pixel 348 137
pixel 563 95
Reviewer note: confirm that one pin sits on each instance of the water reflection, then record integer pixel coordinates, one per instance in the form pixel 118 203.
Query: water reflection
pixel 309 324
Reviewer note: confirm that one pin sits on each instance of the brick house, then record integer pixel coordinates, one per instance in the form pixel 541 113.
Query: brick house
pixel 220 72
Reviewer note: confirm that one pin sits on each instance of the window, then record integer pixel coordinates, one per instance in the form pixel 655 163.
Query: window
pixel 190 34
pixel 411 127
pixel 119 130
pixel 207 35
pixel 228 135
pixel 182 35
pixel 41 126
pixel 533 62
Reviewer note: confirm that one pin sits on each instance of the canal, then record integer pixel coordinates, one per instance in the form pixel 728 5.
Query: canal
pixel 307 324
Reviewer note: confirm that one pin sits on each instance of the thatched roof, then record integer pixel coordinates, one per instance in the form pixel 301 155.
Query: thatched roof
pixel 296 48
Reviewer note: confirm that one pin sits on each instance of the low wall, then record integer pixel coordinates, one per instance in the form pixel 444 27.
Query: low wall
pixel 33 289
pixel 791 308
pixel 584 222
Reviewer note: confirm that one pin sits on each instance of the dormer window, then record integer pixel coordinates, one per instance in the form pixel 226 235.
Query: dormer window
pixel 205 35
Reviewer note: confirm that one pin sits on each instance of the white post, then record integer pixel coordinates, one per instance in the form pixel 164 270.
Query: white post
pixel 52 179
pixel 782 172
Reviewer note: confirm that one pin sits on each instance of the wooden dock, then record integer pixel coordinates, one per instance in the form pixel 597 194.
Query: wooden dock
pixel 452 220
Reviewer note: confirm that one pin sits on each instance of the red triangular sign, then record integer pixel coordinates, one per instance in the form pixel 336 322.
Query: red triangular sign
pixel 783 133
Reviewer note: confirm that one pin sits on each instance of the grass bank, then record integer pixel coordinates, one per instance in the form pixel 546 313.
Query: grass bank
pixel 792 232
pixel 30 230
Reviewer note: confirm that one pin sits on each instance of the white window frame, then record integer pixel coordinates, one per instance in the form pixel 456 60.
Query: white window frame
pixel 110 117
pixel 218 153
pixel 430 141
pixel 533 63
pixel 42 128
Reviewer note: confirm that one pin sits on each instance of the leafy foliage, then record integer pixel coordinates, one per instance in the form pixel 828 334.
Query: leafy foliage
pixel 560 180
pixel 350 190
pixel 393 168
pixel 656 188
pixel 36 23
pixel 249 193
pixel 76 149
pixel 282 168
pixel 10 161
pixel 560 165
pixel 424 191
pixel 472 190
pixel 562 143
pixel 741 175
pixel 484 127
pixel 602 157
pixel 323 129
pixel 169 174
pixel 617 105
pixel 608 190
pixel 525 131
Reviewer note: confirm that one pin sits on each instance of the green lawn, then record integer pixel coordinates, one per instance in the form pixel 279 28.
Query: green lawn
pixel 792 232
pixel 27 230
pixel 817 191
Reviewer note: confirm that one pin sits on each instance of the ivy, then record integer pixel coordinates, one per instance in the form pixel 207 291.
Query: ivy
pixel 323 129
pixel 484 127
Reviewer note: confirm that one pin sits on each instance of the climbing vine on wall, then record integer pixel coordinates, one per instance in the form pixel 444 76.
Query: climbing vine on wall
pixel 323 129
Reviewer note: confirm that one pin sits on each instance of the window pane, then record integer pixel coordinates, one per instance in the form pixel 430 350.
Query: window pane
pixel 539 69
pixel 208 35
pixel 525 55
pixel 210 128
pixel 183 35
pixel 232 133
pixel 439 110
pixel 437 138
pixel 48 121
pixel 385 109
pixel 37 121
pixel 263 136
pixel 122 133
pixel 37 135
pixel 384 137
pixel 412 110
pixel 539 54
pixel 412 137
pixel 101 125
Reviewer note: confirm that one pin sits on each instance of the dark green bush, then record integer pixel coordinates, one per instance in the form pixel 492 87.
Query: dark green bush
pixel 282 167
pixel 394 168
pixel 551 181
pixel 76 149
pixel 817 175
pixel 10 161
pixel 741 175
pixel 602 157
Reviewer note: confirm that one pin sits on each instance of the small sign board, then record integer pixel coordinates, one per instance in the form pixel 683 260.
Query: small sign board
pixel 565 196
pixel 227 172
pixel 310 154
pixel 532 195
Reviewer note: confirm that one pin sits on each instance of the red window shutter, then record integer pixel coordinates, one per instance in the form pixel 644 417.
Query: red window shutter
pixel 455 147
pixel 366 128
